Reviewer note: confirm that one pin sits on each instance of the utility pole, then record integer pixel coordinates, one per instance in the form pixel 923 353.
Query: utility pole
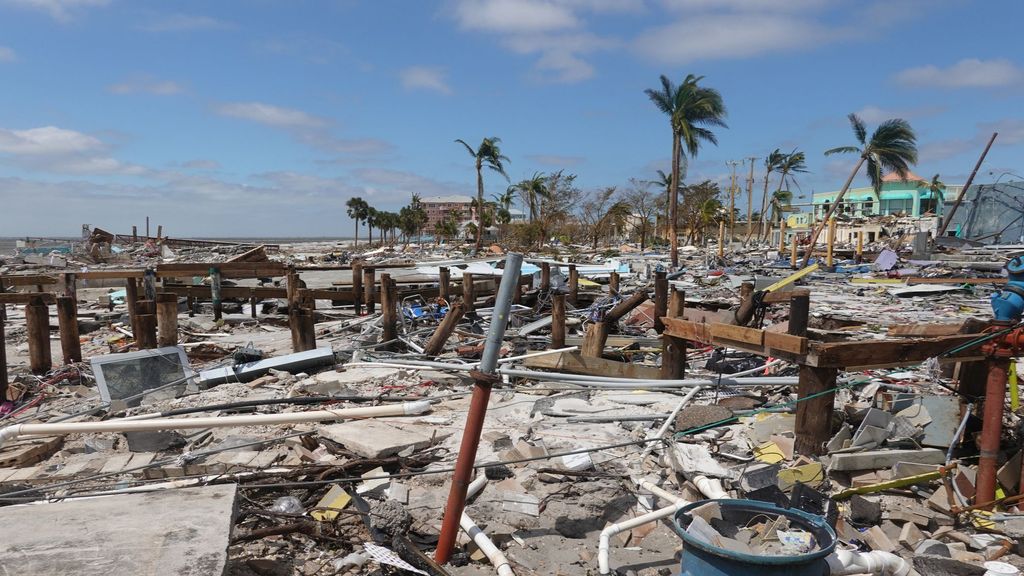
pixel 750 197
pixel 732 197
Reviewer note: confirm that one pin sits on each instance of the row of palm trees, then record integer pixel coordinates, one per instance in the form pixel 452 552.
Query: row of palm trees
pixel 409 220
pixel 694 110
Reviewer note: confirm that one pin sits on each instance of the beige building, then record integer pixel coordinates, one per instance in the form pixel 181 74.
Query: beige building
pixel 438 208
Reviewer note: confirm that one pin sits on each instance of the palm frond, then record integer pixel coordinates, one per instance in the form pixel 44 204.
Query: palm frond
pixel 859 130
pixel 842 150
pixel 468 147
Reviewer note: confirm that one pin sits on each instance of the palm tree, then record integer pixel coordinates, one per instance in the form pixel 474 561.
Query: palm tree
pixel 781 199
pixel 357 211
pixel 771 163
pixel 372 217
pixel 793 163
pixel 532 191
pixel 691 109
pixel 487 154
pixel 936 188
pixel 665 181
pixel 892 148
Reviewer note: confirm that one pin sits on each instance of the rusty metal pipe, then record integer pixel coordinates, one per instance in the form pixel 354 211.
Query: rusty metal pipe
pixel 992 429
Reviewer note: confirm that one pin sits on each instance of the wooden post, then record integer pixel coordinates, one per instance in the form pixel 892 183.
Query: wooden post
pixel 388 310
pixel 782 236
pixel 597 333
pixel 574 285
pixel 444 330
pixel 545 276
pixel 557 320
pixel 613 284
pixel 190 301
pixel 792 252
pixel 660 299
pixel 860 246
pixel 149 284
pixel 444 284
pixel 252 303
pixel 673 354
pixel 369 287
pixel 67 319
pixel 517 294
pixel 814 417
pixel 357 287
pixel 799 312
pixel 135 234
pixel 159 232
pixel 145 322
pixel 218 304
pixel 3 348
pixel 131 298
pixel 830 242
pixel 468 292
pixel 721 239
pixel 167 319
pixel 37 320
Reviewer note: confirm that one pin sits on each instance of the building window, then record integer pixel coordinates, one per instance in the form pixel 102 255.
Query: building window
pixel 897 206
pixel 929 204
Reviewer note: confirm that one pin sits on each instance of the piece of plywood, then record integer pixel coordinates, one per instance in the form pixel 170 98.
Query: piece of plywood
pixel 574 363
pixel 738 334
pixel 785 342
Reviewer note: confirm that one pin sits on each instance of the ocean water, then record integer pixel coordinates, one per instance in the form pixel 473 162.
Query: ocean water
pixel 8 244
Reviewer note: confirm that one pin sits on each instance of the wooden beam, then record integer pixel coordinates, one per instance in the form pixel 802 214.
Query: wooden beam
pixel 814 411
pixel 67 320
pixel 27 297
pixel 883 353
pixel 27 279
pixel 227 269
pixel 576 363
pixel 753 336
pixel 444 330
pixel 557 320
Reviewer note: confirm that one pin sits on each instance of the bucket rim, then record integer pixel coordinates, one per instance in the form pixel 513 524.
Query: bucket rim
pixel 762 507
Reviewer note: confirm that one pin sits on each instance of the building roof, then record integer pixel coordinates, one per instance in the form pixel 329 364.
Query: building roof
pixel 447 199
pixel 894 177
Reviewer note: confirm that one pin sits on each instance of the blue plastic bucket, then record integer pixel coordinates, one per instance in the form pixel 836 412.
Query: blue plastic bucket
pixel 702 559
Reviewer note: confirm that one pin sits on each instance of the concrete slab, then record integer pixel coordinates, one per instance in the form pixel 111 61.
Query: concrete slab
pixel 878 459
pixel 378 438
pixel 183 532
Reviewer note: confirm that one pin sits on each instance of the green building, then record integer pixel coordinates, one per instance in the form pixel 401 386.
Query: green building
pixel 909 198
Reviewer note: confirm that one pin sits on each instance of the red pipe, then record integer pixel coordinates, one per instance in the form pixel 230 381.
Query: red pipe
pixel 463 472
pixel 992 429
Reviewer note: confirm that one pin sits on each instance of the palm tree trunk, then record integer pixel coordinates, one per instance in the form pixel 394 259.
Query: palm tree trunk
pixel 357 233
pixel 479 206
pixel 673 200
pixel 369 231
pixel 831 210
pixel 764 208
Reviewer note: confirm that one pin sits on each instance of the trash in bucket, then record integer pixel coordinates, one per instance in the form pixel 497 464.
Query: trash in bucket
pixel 737 537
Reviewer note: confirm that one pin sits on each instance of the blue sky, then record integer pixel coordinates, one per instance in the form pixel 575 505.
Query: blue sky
pixel 262 117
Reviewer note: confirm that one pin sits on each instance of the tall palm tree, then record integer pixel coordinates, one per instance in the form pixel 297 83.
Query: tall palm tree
pixel 691 109
pixel 771 163
pixel 357 209
pixel 892 148
pixel 936 188
pixel 489 155
pixel 789 164
pixel 781 199
pixel 372 218
pixel 532 190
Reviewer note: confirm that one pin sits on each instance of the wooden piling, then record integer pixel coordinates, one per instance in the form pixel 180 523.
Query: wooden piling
pixel 388 309
pixel 135 234
pixel 252 303
pixel 145 322
pixel 131 299
pixel 190 302
pixel 468 292
pixel 721 239
pixel 67 320
pixel 574 285
pixel 813 417
pixel 792 252
pixel 369 288
pixel 830 241
pixel 673 353
pixel 860 246
pixel 3 348
pixel 149 284
pixel 37 321
pixel 545 276
pixel 597 333
pixel 218 304
pixel 357 287
pixel 660 299
pixel 613 284
pixel 159 232
pixel 444 284
pixel 782 236
pixel 557 320
pixel 444 329
pixel 167 319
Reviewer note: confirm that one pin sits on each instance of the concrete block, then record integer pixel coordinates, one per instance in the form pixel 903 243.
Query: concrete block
pixel 865 510
pixel 943 566
pixel 183 532
pixel 932 548
pixel 379 438
pixel 878 540
pixel 910 536
pixel 878 459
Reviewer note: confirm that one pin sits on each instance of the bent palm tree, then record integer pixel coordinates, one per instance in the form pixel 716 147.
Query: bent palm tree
pixel 892 148
pixel 781 200
pixel 532 191
pixel 691 109
pixel 487 154
pixel 789 164
pixel 771 163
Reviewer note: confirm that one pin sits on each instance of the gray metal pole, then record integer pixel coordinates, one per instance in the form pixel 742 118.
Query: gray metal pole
pixel 502 308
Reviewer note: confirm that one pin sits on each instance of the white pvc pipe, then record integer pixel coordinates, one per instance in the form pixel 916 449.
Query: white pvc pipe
pixel 668 422
pixel 606 534
pixel 710 487
pixel 493 553
pixel 879 562
pixel 539 353
pixel 121 425
pixel 660 492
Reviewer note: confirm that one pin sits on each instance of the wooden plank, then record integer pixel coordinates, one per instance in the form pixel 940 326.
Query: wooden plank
pixel 26 297
pixel 929 330
pixel 679 328
pixel 110 274
pixel 27 280
pixel 29 451
pixel 574 363
pixel 738 334
pixel 785 342
pixel 878 353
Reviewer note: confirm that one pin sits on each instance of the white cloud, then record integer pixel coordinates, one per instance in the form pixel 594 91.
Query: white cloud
pixel 967 73
pixel 46 140
pixel 1011 133
pixel 514 16
pixel 425 78
pixel 744 5
pixel 718 36
pixel 60 10
pixel 875 114
pixel 201 164
pixel 270 115
pixel 560 54
pixel 400 184
pixel 7 54
pixel 146 85
pixel 183 23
